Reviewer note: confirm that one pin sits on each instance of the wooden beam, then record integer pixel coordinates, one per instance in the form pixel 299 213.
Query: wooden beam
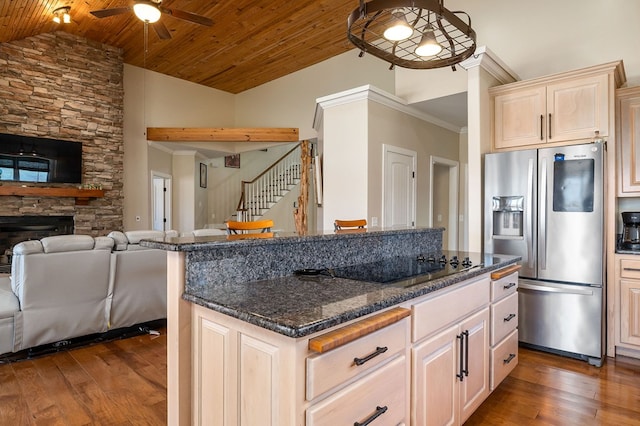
pixel 222 134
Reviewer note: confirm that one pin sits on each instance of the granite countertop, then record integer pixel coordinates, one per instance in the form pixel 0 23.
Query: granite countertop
pixel 190 243
pixel 297 306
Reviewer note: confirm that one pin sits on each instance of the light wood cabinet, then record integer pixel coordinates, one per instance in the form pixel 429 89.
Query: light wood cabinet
pixel 560 109
pixel 504 323
pixel 628 120
pixel 628 291
pixel 451 364
pixel 425 361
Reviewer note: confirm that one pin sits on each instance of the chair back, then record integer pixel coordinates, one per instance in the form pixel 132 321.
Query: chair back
pixel 349 224
pixel 256 225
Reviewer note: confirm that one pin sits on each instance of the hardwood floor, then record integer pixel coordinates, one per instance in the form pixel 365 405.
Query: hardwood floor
pixel 546 389
pixel 123 382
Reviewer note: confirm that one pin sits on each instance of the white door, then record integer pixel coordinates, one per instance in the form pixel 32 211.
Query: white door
pixel 399 189
pixel 161 202
pixel 443 195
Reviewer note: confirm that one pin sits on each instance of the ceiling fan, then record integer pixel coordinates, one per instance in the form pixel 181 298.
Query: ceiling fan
pixel 149 12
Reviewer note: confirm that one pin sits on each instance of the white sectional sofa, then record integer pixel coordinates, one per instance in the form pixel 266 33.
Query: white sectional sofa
pixel 68 286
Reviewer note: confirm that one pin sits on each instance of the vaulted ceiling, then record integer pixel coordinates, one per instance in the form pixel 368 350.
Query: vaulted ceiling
pixel 251 42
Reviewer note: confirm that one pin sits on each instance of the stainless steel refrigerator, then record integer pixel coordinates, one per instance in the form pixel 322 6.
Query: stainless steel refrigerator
pixel 546 205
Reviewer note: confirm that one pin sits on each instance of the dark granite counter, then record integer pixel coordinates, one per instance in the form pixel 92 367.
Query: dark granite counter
pixel 297 306
pixel 253 279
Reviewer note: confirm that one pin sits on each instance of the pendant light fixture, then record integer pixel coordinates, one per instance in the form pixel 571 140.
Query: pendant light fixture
pixel 416 34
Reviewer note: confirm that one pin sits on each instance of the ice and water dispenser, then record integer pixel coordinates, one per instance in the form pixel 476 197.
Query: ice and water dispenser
pixel 508 215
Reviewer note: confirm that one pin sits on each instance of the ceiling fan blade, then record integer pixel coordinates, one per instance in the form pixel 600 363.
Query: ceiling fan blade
pixel 161 30
pixel 105 13
pixel 188 16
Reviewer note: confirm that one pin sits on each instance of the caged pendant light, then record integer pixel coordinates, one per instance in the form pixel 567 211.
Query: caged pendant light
pixel 416 34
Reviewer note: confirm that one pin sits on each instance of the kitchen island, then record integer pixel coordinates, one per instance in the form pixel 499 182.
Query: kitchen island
pixel 241 323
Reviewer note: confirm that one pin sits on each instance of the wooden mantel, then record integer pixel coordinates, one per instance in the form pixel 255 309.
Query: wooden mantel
pixel 223 134
pixel 82 196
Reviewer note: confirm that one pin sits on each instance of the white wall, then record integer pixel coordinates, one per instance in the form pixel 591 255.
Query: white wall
pixel 355 124
pixel 290 101
pixel 156 100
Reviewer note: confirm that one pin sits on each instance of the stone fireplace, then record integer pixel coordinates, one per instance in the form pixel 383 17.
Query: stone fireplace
pixel 59 86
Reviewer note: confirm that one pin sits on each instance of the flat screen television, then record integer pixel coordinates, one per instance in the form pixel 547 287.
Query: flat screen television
pixel 32 159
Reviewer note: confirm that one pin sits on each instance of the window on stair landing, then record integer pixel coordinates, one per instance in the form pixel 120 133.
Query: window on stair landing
pixel 24 169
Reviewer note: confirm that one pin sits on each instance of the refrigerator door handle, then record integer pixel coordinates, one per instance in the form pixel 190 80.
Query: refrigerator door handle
pixel 547 289
pixel 529 225
pixel 542 238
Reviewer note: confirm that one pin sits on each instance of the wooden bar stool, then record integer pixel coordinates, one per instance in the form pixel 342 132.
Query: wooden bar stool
pixel 349 224
pixel 257 225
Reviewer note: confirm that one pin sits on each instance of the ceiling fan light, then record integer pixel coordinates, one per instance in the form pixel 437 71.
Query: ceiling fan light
pixel 62 12
pixel 146 12
pixel 400 28
pixel 428 46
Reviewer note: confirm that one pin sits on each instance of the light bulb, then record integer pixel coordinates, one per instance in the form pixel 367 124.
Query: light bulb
pixel 146 12
pixel 428 46
pixel 400 29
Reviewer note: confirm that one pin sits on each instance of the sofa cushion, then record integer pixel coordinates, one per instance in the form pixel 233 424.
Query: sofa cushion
pixel 63 243
pixel 134 237
pixel 103 243
pixel 120 240
pixel 27 247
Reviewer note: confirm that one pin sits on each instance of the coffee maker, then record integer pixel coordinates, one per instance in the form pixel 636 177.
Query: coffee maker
pixel 630 231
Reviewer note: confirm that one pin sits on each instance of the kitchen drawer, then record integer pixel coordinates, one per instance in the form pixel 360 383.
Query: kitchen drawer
pixel 504 286
pixel 504 318
pixel 327 370
pixel 439 311
pixel 630 268
pixel 504 359
pixel 385 389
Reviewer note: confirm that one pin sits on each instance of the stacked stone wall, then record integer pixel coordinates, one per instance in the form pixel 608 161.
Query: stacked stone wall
pixel 61 86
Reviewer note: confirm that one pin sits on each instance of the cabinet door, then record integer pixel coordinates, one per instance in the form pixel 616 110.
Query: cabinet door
pixel 630 312
pixel 474 389
pixel 435 385
pixel 577 109
pixel 519 118
pixel 212 379
pixel 630 144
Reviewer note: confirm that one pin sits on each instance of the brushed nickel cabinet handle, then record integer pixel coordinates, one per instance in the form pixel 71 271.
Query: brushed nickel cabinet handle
pixel 508 360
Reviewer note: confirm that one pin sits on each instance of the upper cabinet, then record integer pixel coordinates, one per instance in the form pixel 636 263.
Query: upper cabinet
pixel 559 109
pixel 628 118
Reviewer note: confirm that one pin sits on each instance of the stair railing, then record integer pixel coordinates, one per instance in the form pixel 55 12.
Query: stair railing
pixel 266 188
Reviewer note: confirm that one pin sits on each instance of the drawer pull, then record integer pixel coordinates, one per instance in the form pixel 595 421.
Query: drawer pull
pixel 379 411
pixel 631 269
pixel 509 318
pixel 508 286
pixel 508 360
pixel 379 350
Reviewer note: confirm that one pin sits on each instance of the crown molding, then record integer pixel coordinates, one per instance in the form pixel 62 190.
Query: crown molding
pixel 374 94
pixel 489 61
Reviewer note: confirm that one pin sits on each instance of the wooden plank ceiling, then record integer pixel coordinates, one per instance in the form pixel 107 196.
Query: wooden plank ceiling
pixel 250 43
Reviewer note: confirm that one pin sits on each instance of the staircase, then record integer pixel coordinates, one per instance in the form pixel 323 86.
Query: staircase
pixel 263 192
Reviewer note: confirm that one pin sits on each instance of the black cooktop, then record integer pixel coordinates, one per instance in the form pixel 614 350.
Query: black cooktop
pixel 411 270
